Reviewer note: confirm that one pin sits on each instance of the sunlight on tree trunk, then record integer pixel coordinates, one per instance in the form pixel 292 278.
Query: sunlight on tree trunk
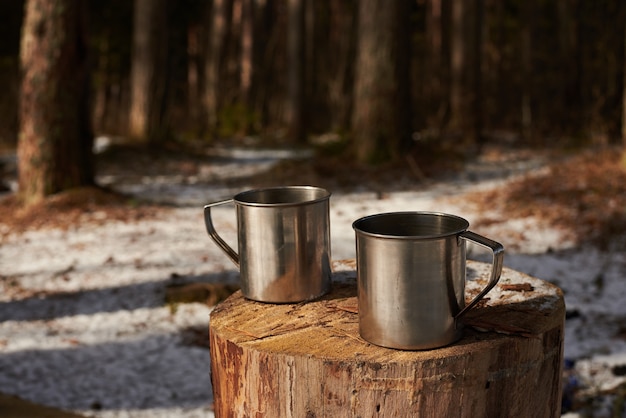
pixel 247 33
pixel 55 139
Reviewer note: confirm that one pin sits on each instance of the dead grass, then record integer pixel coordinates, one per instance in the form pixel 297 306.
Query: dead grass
pixel 73 207
pixel 584 195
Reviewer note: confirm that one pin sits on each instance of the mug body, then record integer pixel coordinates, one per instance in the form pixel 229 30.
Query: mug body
pixel 411 278
pixel 284 243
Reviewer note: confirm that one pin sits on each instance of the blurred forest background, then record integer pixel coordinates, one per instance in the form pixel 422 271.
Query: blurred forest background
pixel 375 80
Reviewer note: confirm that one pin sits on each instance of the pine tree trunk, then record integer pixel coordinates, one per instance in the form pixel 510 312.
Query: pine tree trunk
pixel 526 69
pixel 295 58
pixel 339 63
pixel 380 120
pixel 458 66
pixel 247 43
pixel 149 68
pixel 218 20
pixel 623 127
pixel 55 139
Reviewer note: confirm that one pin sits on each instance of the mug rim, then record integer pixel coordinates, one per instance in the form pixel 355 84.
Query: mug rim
pixel 463 225
pixel 240 198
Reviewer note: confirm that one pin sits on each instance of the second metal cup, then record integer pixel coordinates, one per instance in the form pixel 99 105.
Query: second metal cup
pixel 411 277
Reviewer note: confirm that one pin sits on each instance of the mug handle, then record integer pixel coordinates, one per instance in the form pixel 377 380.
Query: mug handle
pixel 496 266
pixel 232 254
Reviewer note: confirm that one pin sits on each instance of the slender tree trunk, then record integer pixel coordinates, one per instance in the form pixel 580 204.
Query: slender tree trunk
pixel 340 59
pixel 261 51
pixel 445 110
pixel 247 41
pixel 381 117
pixel 458 65
pixel 295 58
pixel 466 70
pixel 566 55
pixel 149 69
pixel 477 73
pixel 193 73
pixel 55 138
pixel 102 93
pixel 526 69
pixel 623 127
pixel 434 63
pixel 218 17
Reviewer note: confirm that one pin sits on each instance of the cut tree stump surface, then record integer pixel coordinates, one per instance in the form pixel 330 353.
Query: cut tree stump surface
pixel 308 360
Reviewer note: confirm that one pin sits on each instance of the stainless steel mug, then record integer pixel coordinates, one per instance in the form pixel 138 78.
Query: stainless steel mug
pixel 284 242
pixel 411 278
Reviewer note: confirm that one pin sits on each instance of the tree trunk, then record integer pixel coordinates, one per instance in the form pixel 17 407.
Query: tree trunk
pixel 381 116
pixel 623 127
pixel 477 73
pixel 148 72
pixel 458 66
pixel 247 42
pixel 218 18
pixel 308 360
pixel 434 65
pixel 526 69
pixel 445 109
pixel 193 74
pixel 296 130
pixel 339 63
pixel 55 139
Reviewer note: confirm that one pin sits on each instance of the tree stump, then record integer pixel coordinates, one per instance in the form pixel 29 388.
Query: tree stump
pixel 308 360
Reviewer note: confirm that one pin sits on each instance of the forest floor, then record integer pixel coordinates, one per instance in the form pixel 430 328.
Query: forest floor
pixel 85 320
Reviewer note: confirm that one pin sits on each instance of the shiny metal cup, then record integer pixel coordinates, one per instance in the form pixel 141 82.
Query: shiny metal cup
pixel 284 242
pixel 411 278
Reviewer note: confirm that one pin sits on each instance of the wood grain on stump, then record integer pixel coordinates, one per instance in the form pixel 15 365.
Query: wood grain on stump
pixel 308 360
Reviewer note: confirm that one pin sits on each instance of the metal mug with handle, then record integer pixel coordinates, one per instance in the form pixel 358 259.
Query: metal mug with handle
pixel 283 238
pixel 411 277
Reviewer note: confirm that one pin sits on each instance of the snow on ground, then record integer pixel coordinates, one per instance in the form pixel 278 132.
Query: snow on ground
pixel 84 325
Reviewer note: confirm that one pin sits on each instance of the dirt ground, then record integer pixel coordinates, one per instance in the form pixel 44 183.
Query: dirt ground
pixel 583 192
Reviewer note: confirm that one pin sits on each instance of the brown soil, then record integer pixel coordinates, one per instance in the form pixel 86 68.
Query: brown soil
pixel 584 194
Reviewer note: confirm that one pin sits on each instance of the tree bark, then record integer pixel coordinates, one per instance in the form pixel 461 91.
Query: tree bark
pixel 526 69
pixel 434 65
pixel 380 121
pixel 477 73
pixel 466 111
pixel 339 63
pixel 623 127
pixel 308 360
pixel 193 74
pixel 295 71
pixel 148 72
pixel 247 42
pixel 458 65
pixel 218 20
pixel 55 138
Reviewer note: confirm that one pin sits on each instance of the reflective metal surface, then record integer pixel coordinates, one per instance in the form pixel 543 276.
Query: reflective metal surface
pixel 411 277
pixel 283 242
